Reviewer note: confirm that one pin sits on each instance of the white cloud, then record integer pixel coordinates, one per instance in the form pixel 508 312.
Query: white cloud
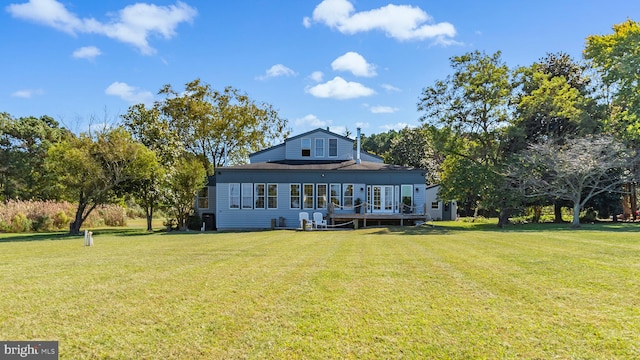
pixel 397 126
pixel 87 52
pixel 133 25
pixel 401 22
pixel 383 109
pixel 129 93
pixel 390 88
pixel 355 63
pixel 276 71
pixel 316 76
pixel 338 88
pixel 306 22
pixel 311 121
pixel 27 93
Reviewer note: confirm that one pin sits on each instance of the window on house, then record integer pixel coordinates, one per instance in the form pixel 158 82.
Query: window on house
pixel 435 205
pixel 295 196
pixel 321 194
pixel 247 196
pixel 308 196
pixel 333 147
pixel 234 196
pixel 306 147
pixel 319 147
pixel 259 196
pixel 272 196
pixel 203 198
pixel 334 189
pixel 407 198
pixel 347 196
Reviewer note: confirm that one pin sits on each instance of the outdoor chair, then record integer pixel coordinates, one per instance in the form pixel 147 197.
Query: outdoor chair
pixel 318 220
pixel 304 216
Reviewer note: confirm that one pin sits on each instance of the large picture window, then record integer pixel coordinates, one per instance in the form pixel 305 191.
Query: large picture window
pixel 295 196
pixel 321 194
pixel 234 196
pixel 272 196
pixel 259 196
pixel 308 196
pixel 247 196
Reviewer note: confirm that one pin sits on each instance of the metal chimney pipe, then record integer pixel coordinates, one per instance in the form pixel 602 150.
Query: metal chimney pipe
pixel 358 161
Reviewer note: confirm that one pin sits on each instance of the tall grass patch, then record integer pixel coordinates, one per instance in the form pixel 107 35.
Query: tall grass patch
pixel 17 216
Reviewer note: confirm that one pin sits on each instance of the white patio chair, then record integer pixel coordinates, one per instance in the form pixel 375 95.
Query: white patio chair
pixel 304 216
pixel 318 221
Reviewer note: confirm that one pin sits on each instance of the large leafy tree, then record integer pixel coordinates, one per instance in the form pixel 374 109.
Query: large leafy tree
pixel 95 169
pixel 468 111
pixel 553 101
pixel 414 147
pixel 616 57
pixel 153 130
pixel 24 143
pixel 379 144
pixel 214 124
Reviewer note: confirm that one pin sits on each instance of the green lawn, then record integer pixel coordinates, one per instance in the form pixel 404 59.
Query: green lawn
pixel 455 291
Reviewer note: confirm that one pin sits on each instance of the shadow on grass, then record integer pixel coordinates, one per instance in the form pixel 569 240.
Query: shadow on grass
pixel 36 237
pixel 452 228
pixel 24 237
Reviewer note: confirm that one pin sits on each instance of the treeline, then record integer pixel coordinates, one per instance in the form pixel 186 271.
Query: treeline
pixel 159 156
pixel 559 132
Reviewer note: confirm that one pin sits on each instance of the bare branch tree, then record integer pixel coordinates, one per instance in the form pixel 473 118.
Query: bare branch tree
pixel 575 171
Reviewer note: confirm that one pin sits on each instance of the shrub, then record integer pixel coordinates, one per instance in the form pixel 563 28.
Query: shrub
pixel 194 222
pixel 43 223
pixel 20 223
pixel 61 220
pixel 113 215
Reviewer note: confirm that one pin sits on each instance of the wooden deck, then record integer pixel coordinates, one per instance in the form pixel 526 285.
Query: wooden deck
pixel 376 219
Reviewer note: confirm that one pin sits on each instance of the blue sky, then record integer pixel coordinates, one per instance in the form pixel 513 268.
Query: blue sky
pixel 332 63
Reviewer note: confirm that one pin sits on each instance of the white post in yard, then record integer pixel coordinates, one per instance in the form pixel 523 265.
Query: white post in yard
pixel 88 238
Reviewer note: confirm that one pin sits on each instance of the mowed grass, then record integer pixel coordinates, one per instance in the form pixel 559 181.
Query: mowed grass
pixel 455 291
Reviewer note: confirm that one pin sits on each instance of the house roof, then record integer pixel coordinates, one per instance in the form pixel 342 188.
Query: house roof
pixel 307 134
pixel 348 165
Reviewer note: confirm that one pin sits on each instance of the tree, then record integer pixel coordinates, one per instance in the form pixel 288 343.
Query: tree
pixel 414 147
pixel 616 57
pixel 214 124
pixel 155 132
pixel 469 111
pixel 185 180
pixel 554 101
pixel 94 170
pixel 378 144
pixel 24 143
pixel 575 171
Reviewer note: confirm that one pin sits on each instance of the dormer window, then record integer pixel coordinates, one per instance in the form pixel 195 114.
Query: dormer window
pixel 319 147
pixel 333 147
pixel 306 147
